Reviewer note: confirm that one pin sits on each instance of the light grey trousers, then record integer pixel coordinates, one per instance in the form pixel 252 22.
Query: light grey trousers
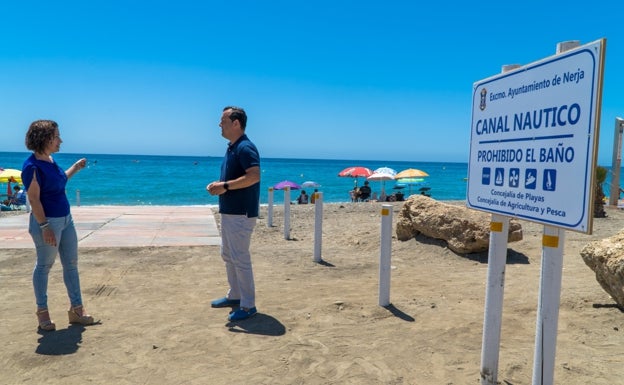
pixel 236 233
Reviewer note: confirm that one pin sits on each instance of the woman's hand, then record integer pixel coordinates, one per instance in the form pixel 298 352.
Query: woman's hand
pixel 79 165
pixel 48 236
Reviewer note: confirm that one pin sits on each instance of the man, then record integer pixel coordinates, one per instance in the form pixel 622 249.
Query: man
pixel 365 192
pixel 238 189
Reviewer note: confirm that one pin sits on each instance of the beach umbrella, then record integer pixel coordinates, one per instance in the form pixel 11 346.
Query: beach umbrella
pixel 310 183
pixel 381 177
pixel 10 175
pixel 356 172
pixel 385 170
pixel 286 183
pixel 411 173
pixel 409 182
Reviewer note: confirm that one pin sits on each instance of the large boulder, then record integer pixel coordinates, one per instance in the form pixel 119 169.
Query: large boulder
pixel 606 259
pixel 465 230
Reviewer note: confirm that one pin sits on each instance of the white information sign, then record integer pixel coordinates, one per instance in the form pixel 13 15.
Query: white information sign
pixel 534 137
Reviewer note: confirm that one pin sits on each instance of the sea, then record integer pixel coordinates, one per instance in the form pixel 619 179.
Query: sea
pixel 181 180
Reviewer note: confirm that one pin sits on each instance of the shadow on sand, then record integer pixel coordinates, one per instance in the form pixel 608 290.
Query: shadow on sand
pixel 60 342
pixel 262 324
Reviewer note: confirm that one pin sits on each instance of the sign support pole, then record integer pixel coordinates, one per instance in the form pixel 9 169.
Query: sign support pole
pixel 494 291
pixel 497 258
pixel 549 292
pixel 548 306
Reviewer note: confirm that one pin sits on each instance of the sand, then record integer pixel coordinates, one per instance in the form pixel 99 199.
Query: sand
pixel 317 323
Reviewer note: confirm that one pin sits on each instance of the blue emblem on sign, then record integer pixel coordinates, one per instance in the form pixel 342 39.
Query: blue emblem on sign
pixel 482 102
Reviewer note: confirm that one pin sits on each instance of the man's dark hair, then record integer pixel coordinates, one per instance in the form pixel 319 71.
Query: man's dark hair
pixel 237 114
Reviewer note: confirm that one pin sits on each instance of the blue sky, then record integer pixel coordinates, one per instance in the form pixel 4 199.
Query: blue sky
pixel 364 80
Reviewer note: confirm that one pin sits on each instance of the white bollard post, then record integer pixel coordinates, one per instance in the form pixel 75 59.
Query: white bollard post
pixel 494 290
pixel 27 204
pixel 616 163
pixel 270 208
pixel 78 198
pixel 548 306
pixel 286 212
pixel 318 226
pixel 385 255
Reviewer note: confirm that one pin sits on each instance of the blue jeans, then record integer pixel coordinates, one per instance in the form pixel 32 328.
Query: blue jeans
pixel 67 248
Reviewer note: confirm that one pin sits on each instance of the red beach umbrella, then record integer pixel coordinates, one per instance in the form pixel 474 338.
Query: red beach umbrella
pixel 356 172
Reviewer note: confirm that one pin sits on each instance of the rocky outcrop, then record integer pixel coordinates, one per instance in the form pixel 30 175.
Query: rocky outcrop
pixel 465 230
pixel 606 259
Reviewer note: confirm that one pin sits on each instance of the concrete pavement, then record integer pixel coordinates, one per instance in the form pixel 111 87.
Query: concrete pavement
pixel 126 226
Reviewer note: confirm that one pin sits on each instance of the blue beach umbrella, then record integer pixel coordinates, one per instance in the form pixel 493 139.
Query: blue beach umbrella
pixel 310 183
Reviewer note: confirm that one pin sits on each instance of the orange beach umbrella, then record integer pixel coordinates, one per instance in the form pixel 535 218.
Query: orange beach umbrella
pixel 411 173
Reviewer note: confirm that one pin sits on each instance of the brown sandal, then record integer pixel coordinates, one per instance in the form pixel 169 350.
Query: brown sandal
pixel 45 323
pixel 77 315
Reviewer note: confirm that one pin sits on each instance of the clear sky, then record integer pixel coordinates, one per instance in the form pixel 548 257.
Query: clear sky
pixel 368 80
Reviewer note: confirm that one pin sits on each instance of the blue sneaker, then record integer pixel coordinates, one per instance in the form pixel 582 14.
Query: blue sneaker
pixel 225 302
pixel 241 314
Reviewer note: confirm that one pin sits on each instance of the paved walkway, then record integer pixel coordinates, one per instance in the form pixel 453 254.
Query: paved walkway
pixel 126 226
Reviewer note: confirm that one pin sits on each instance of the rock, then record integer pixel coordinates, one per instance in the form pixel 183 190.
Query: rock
pixel 465 230
pixel 606 259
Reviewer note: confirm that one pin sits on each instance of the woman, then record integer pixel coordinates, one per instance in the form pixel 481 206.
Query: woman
pixel 51 224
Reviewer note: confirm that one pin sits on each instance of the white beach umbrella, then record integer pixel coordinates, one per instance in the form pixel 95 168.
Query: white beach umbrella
pixel 382 177
pixel 385 170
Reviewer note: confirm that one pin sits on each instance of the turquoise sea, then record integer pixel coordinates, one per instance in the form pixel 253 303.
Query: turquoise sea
pixel 181 180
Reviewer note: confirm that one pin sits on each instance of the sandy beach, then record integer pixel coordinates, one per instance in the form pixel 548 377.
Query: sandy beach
pixel 317 323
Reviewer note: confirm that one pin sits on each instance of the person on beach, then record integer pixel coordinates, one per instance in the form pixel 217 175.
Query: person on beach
pixel 238 189
pixel 19 196
pixel 51 225
pixel 302 199
pixel 313 196
pixel 365 192
pixel 354 194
